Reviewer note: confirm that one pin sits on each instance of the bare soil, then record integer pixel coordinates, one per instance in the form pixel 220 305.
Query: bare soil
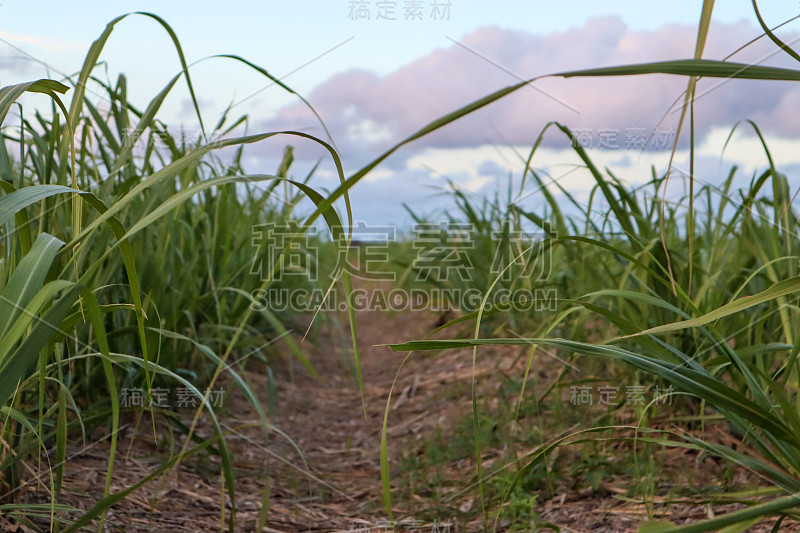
pixel 336 484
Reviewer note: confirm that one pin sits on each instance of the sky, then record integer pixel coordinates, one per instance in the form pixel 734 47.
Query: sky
pixel 376 71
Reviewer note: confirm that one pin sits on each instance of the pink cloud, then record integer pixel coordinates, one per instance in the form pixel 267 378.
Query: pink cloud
pixel 366 112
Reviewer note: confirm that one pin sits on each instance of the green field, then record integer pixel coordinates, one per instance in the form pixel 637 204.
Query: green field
pixel 632 336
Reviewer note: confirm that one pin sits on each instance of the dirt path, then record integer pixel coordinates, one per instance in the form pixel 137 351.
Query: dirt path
pixel 336 485
pixel 326 419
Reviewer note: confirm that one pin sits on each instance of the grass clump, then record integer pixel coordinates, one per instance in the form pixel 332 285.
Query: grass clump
pixel 127 263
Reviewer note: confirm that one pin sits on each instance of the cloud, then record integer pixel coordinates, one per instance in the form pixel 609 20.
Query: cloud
pixel 486 151
pixel 46 43
pixel 367 113
pixel 14 64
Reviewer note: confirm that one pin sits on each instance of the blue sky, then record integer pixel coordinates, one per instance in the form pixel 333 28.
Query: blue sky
pixel 282 36
pixel 356 71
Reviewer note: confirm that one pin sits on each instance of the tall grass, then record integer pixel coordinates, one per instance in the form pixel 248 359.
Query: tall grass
pixel 101 240
pixel 699 292
pixel 127 257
